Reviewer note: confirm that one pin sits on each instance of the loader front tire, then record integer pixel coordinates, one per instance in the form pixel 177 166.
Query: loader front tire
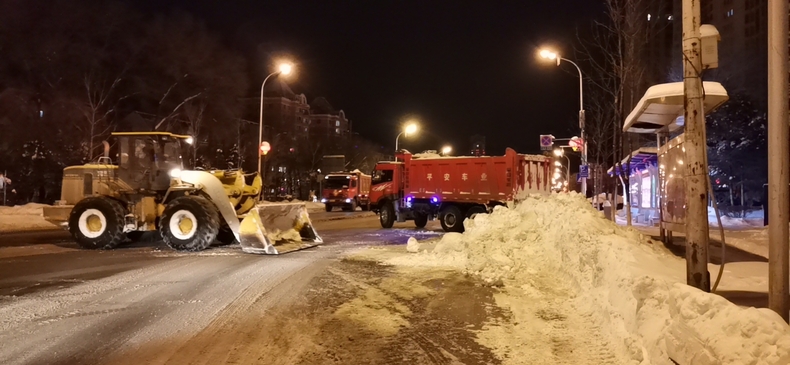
pixel 97 223
pixel 328 208
pixel 387 215
pixel 189 223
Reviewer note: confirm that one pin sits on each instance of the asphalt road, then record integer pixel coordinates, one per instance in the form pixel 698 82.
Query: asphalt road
pixel 63 305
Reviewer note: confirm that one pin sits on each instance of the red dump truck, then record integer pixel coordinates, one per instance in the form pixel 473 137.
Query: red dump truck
pixel 348 190
pixel 452 189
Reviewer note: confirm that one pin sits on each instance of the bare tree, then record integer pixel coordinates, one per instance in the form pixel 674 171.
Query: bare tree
pixel 615 53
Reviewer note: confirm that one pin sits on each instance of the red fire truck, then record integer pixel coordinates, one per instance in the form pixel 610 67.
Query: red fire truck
pixel 347 190
pixel 453 188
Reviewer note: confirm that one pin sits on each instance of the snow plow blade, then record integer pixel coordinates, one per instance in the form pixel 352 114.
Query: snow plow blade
pixel 272 229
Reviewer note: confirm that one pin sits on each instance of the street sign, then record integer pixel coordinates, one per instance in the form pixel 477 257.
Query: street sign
pixel 584 171
pixel 546 142
pixel 576 143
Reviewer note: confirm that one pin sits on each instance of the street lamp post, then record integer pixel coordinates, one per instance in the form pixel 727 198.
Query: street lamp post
pixel 284 69
pixel 554 56
pixel 411 128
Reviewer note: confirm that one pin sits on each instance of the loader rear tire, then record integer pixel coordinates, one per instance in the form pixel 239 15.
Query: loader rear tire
pixel 420 220
pixel 97 223
pixel 189 223
pixel 328 208
pixel 451 219
pixel 387 215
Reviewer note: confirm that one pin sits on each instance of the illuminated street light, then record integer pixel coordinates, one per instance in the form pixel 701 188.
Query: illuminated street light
pixel 557 163
pixel 559 152
pixel 410 128
pixel 285 69
pixel 549 55
pixel 446 150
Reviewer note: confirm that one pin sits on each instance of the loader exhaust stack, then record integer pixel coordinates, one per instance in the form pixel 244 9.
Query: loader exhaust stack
pixel 275 228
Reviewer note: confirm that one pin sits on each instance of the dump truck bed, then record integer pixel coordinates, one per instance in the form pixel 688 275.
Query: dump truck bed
pixel 477 179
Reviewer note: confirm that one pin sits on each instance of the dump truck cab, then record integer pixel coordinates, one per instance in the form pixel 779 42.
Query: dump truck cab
pixel 347 190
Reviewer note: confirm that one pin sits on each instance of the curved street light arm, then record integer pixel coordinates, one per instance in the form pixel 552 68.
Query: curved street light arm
pixel 260 124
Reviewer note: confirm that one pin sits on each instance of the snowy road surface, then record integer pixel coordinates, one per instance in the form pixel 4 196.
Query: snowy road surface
pixel 547 282
pixel 63 305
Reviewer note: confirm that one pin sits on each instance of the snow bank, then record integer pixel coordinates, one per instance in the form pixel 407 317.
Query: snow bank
pixel 560 243
pixel 413 245
pixel 27 209
pixel 26 217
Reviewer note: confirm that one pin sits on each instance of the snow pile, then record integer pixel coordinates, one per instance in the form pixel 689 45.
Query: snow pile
pixel 26 217
pixel 27 209
pixel 413 245
pixel 560 244
pixel 699 328
pixel 426 155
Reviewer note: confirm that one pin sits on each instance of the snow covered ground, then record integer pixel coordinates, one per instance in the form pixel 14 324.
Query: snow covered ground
pixel 26 217
pixel 583 290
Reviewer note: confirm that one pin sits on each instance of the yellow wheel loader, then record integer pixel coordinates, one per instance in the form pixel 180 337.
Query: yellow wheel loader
pixel 104 204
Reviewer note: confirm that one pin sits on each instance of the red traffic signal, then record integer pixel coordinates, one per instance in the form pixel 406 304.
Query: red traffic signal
pixel 265 148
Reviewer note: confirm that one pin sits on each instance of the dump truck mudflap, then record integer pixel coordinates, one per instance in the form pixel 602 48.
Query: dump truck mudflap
pixel 275 228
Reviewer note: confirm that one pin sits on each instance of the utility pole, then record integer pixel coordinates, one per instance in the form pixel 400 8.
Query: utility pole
pixel 778 152
pixel 696 172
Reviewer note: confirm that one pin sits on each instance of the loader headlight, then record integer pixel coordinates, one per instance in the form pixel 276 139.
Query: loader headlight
pixel 348 200
pixel 323 200
pixel 175 173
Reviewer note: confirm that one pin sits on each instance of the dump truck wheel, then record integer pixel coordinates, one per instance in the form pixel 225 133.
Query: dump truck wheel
pixel 328 208
pixel 97 223
pixel 451 219
pixel 473 211
pixel 420 220
pixel 189 223
pixel 387 215
pixel 225 235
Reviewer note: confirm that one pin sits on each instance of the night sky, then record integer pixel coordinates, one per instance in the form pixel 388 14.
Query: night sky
pixel 460 69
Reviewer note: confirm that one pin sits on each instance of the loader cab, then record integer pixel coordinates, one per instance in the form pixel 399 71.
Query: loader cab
pixel 148 160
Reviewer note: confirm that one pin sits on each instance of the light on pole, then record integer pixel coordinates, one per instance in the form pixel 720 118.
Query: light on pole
pixel 559 152
pixel 284 69
pixel 446 150
pixel 549 55
pixel 410 128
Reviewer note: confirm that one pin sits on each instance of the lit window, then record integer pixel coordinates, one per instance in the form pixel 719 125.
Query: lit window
pixel 337 123
pixel 648 17
pixel 669 17
pixel 337 130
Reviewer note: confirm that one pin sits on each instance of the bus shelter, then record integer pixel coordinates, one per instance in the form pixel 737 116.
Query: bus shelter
pixel 642 185
pixel 660 112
